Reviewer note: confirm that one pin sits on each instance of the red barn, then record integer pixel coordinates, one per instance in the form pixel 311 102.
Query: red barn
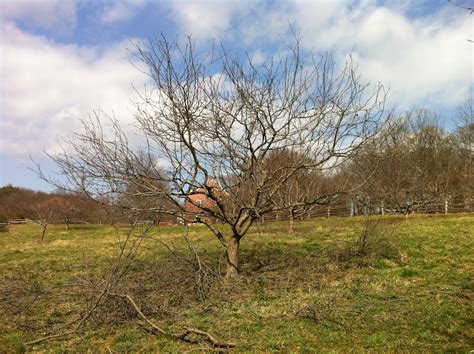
pixel 200 199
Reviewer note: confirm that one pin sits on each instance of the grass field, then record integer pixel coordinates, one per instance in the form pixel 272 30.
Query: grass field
pixel 411 292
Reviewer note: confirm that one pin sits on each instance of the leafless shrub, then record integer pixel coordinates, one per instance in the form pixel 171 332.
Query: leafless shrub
pixel 375 241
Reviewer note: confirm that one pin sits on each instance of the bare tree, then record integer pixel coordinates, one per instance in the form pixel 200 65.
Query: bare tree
pixel 465 139
pixel 213 121
pixel 418 166
pixel 136 197
pixel 303 185
pixel 45 211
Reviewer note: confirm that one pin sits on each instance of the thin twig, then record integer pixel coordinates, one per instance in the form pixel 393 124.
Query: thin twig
pixel 53 336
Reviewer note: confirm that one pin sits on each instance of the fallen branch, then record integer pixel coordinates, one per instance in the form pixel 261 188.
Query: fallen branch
pixel 215 343
pixel 140 313
pixel 36 341
pixel 183 336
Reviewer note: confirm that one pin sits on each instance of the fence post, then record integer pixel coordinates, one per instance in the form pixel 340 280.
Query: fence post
pixel 352 208
pixel 329 212
pixel 446 206
pixel 383 211
pixel 277 216
pixel 309 215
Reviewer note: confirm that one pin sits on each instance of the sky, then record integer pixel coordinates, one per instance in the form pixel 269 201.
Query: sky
pixel 61 60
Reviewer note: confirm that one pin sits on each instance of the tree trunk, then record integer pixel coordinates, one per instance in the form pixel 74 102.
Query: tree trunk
pixel 43 231
pixel 232 258
pixel 291 221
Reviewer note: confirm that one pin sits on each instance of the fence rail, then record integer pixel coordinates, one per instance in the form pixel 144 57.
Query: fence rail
pixel 349 210
pixel 21 221
pixel 317 212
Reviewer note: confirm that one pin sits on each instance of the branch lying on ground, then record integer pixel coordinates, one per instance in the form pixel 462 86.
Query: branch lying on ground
pixel 53 336
pixel 118 271
pixel 183 336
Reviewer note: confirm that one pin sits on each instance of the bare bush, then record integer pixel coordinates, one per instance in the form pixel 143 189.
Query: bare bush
pixel 375 241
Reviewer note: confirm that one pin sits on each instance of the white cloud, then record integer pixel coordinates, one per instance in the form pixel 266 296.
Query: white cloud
pixel 205 20
pixel 258 57
pixel 423 60
pixel 43 14
pixel 46 86
pixel 121 10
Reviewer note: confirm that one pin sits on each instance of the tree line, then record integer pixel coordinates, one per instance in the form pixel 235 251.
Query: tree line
pixel 419 164
pixel 57 207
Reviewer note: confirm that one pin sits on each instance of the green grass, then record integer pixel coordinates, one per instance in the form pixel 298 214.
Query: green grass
pixel 413 292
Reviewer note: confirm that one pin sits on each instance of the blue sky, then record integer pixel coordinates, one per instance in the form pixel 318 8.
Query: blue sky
pixel 64 59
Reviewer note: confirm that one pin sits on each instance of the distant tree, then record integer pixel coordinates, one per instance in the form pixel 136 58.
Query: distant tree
pixel 465 139
pixel 20 203
pixel 17 202
pixel 437 160
pixel 136 197
pixel 5 191
pixel 419 165
pixel 66 209
pixel 305 189
pixel 45 211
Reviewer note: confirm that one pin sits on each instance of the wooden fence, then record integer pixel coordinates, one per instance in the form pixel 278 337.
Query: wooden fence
pixel 350 209
pixel 340 209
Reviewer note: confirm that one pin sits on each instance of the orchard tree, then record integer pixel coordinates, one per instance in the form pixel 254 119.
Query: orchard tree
pixel 419 165
pixel 465 140
pixel 136 198
pixel 302 186
pixel 212 121
pixel 46 210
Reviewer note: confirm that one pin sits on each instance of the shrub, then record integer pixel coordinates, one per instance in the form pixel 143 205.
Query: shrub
pixel 375 242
